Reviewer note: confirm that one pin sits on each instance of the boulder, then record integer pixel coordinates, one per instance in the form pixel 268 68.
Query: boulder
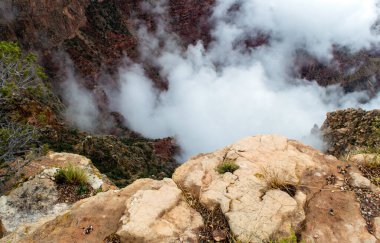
pixel 359 181
pixel 265 198
pixel 145 211
pixel 46 166
pixel 37 197
pixel 361 159
pixel 376 222
pixel 160 214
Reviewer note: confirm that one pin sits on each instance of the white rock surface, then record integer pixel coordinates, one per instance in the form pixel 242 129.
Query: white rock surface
pixel 257 211
pixel 160 214
pixel 359 181
pixel 376 223
pixel 33 200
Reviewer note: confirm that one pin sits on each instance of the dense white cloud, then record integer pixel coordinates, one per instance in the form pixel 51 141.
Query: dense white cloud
pixel 219 95
pixel 82 110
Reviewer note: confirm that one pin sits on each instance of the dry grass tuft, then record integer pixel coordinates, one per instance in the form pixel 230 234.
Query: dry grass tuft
pixel 371 170
pixel 275 180
pixel 71 174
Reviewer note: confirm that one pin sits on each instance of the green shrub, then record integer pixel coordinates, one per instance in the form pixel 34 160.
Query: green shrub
pixel 20 74
pixel 71 174
pixel 227 166
pixel 44 149
pixel 15 140
pixel 82 189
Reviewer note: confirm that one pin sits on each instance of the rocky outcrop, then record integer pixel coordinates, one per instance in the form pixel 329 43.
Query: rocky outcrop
pixel 280 183
pixel 36 195
pixel 42 24
pixel 159 214
pixel 146 211
pixel 104 30
pixel 265 187
pixel 46 166
pixel 351 129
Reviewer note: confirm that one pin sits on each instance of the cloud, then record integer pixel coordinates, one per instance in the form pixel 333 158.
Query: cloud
pixel 221 94
pixel 82 110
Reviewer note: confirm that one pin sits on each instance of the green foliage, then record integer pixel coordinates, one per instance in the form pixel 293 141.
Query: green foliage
pixel 15 139
pixel 20 74
pixel 290 239
pixel 82 189
pixel 71 174
pixel 45 149
pixel 8 89
pixel 227 166
pixel 10 51
pixel 22 87
pixel 99 190
pixel 41 118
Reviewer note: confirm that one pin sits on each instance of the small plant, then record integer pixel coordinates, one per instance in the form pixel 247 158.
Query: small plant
pixel 373 163
pixel 290 239
pixel 71 175
pixel 227 165
pixel 44 149
pixel 274 180
pixel 15 139
pixel 82 189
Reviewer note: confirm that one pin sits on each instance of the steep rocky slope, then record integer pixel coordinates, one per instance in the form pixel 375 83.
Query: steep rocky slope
pixel 104 30
pixel 348 130
pixel 97 34
pixel 276 187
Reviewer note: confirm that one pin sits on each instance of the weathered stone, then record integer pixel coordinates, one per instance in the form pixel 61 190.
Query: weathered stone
pixel 266 197
pixel 145 211
pixel 280 187
pixel 345 225
pixel 47 166
pixel 33 200
pixel 37 198
pixel 160 215
pixel 376 223
pixel 362 158
pixel 359 181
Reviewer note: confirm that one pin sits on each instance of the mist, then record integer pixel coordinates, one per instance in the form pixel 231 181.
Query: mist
pixel 225 92
pixel 82 110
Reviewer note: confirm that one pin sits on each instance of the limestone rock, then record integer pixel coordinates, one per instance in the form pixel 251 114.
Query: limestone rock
pixel 376 223
pixel 160 215
pixel 280 186
pixel 35 199
pixel 95 178
pixel 359 181
pixel 362 158
pixel 266 197
pixel 346 225
pixel 45 167
pixel 145 211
